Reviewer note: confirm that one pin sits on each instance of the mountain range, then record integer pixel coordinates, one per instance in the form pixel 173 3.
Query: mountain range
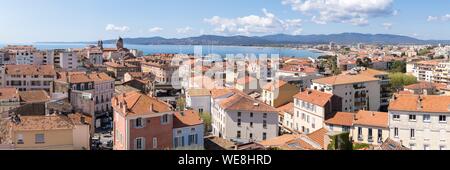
pixel 281 39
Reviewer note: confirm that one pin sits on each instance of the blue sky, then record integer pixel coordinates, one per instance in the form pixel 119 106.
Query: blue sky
pixel 81 20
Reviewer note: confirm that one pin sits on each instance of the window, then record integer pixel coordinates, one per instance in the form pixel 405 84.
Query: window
pixel 313 125
pixel 413 133
pixel 412 146
pixel 238 135
pixel 396 117
pixel 442 147
pixel 251 135
pixel 360 135
pixel 155 142
pixel 239 114
pixel 396 132
pixel 370 137
pixel 426 147
pixel 20 139
pixel 251 124
pixel 426 118
pixel 412 118
pixel 265 124
pixel 251 114
pixel 346 129
pixel 264 136
pixel 265 115
pixel 165 119
pixel 380 136
pixel 139 123
pixel 239 123
pixel 193 139
pixel 303 116
pixel 331 128
pixel 139 144
pixel 443 119
pixel 39 138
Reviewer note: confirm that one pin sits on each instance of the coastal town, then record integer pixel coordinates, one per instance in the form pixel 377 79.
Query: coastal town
pixel 352 97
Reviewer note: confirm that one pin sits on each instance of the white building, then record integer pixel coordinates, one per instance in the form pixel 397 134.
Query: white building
pixel 238 117
pixel 311 108
pixel 199 100
pixel 420 122
pixel 357 91
pixel 68 61
pixel 28 77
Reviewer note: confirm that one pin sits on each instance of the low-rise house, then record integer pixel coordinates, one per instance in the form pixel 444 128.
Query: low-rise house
pixel 340 122
pixel 318 140
pixel 199 100
pixel 188 131
pixel 50 132
pixel 247 84
pixel 370 127
pixel 142 123
pixel 118 70
pixel 425 88
pixel 286 118
pixel 278 93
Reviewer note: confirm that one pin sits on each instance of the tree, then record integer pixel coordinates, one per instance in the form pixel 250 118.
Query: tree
pixel 398 66
pixel 399 80
pixel 181 103
pixel 206 117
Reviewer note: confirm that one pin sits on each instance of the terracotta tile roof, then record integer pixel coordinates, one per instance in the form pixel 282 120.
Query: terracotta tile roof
pixel 240 101
pixel 342 119
pixel 287 108
pixel 280 140
pixel 8 93
pixel 390 144
pixel 405 92
pixel 186 118
pixel 219 92
pixel 137 103
pixel 92 77
pixel 299 144
pixel 345 79
pixel 274 85
pixel 425 85
pixel 319 137
pixel 117 65
pixel 373 72
pixel 54 122
pixel 416 103
pixel 30 70
pixel 80 119
pixel 369 118
pixel 199 92
pixel 35 96
pixel 315 97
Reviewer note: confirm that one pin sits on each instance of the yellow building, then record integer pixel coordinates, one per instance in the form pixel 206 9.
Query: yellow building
pixel 55 132
pixel 370 127
pixel 279 93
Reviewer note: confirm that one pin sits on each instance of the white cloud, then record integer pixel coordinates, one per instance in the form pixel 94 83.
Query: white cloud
pixel 253 24
pixel 446 17
pixel 112 27
pixel 442 18
pixel 155 29
pixel 297 32
pixel 184 30
pixel 432 18
pixel 355 12
pixel 387 26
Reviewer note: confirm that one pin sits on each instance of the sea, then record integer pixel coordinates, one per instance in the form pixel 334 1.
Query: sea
pixel 189 49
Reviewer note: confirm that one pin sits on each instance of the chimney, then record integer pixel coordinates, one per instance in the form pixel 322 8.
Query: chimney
pixel 152 107
pixel 124 109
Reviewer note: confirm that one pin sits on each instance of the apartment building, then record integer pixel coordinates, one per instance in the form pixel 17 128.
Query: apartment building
pixel 188 131
pixel 442 73
pixel 357 91
pixel 385 85
pixel 420 122
pixel 95 56
pixel 68 60
pixel 142 123
pixel 278 93
pixel 239 118
pixel 118 70
pixel 88 93
pixel 286 117
pixel 162 70
pixel 22 54
pixel 312 108
pixel 423 70
pixel 370 127
pixel 29 77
